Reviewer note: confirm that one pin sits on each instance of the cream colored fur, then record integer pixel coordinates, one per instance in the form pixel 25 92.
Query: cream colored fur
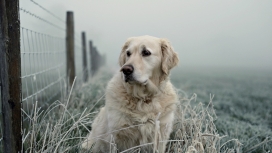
pixel 130 114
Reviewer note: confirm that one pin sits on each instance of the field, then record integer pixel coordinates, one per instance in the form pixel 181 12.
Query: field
pixel 242 102
pixel 219 111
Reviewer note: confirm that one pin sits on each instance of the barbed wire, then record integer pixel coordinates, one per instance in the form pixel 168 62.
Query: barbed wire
pixel 34 15
pixel 48 11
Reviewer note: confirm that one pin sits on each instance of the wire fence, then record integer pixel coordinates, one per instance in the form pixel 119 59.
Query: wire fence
pixel 43 68
pixel 44 58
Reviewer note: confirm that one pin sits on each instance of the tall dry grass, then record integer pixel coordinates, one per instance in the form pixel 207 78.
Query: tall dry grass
pixel 63 126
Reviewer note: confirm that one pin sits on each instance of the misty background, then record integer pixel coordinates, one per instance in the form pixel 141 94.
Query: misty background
pixel 219 34
pixel 212 38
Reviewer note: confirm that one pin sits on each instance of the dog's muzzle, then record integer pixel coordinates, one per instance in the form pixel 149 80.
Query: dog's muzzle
pixel 127 71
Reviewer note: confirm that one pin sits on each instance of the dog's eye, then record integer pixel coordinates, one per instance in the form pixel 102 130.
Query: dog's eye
pixel 128 53
pixel 146 52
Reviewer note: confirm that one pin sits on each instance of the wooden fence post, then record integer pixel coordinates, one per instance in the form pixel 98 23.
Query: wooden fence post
pixel 10 75
pixel 84 57
pixel 70 47
pixel 98 58
pixel 92 59
pixel 95 60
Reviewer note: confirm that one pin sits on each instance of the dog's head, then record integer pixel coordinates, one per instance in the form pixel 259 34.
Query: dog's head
pixel 146 57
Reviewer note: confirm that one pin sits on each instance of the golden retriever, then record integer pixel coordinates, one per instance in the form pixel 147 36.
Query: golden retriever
pixel 140 100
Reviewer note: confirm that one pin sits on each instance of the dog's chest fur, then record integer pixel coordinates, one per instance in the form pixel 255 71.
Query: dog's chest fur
pixel 138 109
pixel 138 122
pixel 143 110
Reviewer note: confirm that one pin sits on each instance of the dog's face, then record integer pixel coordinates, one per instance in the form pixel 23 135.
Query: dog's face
pixel 145 56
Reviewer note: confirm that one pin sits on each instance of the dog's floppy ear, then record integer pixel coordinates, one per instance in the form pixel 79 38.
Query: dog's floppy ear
pixel 122 57
pixel 169 56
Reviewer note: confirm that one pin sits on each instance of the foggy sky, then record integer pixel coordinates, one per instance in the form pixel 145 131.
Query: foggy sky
pixel 204 33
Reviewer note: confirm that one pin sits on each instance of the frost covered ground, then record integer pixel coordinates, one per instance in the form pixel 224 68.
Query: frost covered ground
pixel 242 102
pixel 219 111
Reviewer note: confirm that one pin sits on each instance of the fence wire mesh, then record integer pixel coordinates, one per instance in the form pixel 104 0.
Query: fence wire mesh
pixel 43 57
pixel 43 60
pixel 43 68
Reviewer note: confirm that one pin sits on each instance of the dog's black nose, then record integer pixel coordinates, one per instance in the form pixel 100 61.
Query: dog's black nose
pixel 127 69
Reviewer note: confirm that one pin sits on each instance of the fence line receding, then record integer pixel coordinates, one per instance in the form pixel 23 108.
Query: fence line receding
pixel 42 70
